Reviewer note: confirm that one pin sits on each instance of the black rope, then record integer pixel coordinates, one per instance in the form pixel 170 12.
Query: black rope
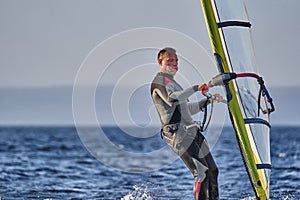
pixel 202 125
pixel 261 92
pixel 258 101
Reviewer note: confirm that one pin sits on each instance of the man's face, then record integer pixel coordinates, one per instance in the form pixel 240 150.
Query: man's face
pixel 169 63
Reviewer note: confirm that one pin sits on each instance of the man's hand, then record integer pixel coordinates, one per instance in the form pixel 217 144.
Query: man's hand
pixel 203 88
pixel 218 97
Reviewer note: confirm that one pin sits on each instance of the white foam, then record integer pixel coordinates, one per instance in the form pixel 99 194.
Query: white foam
pixel 139 193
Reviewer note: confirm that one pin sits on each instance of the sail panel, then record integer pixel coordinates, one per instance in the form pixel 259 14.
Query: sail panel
pixel 252 126
pixel 239 46
pixel 231 10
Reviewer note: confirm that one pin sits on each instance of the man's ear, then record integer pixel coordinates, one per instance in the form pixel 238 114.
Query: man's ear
pixel 159 61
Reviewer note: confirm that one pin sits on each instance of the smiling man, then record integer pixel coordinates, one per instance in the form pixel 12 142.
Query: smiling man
pixel 179 129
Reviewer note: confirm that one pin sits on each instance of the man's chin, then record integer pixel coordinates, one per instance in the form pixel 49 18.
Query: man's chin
pixel 173 72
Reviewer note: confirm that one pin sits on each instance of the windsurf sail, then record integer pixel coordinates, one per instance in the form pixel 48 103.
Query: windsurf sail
pixel 249 102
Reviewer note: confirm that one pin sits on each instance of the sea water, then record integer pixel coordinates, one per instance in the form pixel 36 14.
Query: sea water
pixel 53 163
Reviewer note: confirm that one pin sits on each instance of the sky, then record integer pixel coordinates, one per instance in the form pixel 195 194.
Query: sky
pixel 45 43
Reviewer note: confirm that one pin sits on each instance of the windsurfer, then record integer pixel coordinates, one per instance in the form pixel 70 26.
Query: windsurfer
pixel 179 129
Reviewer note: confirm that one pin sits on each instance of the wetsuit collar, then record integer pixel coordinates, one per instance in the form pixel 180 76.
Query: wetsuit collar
pixel 166 75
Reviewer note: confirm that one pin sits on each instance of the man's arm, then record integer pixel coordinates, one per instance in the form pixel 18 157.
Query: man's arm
pixel 196 107
pixel 181 95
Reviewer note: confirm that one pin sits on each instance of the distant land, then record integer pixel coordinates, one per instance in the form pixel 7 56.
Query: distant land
pixel 53 106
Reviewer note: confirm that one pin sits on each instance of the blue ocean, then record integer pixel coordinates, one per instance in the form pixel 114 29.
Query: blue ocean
pixel 54 163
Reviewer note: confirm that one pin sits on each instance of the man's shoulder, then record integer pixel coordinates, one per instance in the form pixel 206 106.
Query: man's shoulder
pixel 158 79
pixel 159 82
pixel 162 79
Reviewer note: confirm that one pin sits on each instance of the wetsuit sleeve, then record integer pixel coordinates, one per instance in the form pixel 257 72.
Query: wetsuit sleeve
pixel 196 107
pixel 181 95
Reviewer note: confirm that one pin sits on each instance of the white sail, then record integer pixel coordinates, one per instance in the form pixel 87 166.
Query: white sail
pixel 231 38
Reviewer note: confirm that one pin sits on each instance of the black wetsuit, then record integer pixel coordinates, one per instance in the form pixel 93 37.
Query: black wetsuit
pixel 186 140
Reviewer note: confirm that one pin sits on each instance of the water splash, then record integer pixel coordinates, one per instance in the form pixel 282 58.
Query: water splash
pixel 284 197
pixel 142 192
